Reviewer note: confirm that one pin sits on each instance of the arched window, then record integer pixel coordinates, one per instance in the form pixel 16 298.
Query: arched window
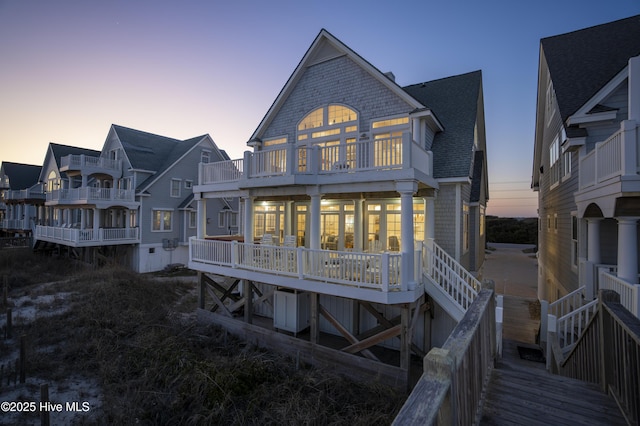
pixel 53 182
pixel 332 127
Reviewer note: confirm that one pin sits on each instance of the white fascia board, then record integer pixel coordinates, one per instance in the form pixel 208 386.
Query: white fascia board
pixel 454 180
pixel 582 115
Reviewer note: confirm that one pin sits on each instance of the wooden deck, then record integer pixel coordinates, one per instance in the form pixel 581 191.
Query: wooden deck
pixel 523 393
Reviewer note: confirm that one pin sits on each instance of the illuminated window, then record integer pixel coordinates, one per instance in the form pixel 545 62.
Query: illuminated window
pixel 554 163
pixel 276 141
pixel 161 220
pixel 390 122
pixel 340 114
pixel 313 120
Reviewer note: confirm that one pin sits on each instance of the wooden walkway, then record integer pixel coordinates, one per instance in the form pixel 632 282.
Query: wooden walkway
pixel 522 393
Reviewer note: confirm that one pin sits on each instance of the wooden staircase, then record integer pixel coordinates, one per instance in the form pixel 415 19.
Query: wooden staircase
pixel 524 393
pixel 447 282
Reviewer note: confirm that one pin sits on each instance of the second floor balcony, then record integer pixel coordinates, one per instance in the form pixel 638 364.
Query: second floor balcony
pixel 102 197
pixel 89 165
pixel 16 224
pixel 366 160
pixel 614 163
pixel 24 194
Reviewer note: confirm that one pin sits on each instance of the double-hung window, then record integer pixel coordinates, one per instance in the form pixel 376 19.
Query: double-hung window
pixel 175 188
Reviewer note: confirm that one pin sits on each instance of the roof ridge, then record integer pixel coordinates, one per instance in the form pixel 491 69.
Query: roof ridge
pixel 593 27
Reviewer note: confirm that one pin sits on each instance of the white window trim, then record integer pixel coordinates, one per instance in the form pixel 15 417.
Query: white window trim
pixel 179 187
pixel 188 184
pixel 575 246
pixel 155 209
pixel 192 214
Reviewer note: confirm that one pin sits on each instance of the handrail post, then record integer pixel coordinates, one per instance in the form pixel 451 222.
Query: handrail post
pixel 439 365
pixel 544 311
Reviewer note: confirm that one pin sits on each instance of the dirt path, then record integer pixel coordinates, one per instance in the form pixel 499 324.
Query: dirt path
pixel 515 274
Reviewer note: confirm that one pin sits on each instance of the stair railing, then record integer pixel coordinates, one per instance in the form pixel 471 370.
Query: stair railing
pixel 449 275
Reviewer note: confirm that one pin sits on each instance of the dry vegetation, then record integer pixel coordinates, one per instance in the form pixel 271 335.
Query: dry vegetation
pixel 133 340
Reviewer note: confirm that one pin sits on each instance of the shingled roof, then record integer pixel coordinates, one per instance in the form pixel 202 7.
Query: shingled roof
pixel 454 101
pixel 21 176
pixel 582 62
pixel 150 152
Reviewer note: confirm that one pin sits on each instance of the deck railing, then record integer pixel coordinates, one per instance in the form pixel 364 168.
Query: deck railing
pixel 80 236
pixel 629 293
pixel 90 194
pixel 78 162
pixel 288 159
pixel 453 279
pixel 15 224
pixel 616 156
pixel 607 353
pixel 454 379
pixel 379 271
pixel 24 194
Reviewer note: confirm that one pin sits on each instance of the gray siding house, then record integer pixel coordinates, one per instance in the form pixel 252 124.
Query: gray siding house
pixel 356 196
pixel 131 202
pixel 586 160
pixel 21 196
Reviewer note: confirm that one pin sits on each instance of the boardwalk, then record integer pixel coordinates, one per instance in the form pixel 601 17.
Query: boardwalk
pixel 522 392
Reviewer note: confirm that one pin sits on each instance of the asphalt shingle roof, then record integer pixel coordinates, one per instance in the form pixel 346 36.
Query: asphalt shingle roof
pixel 155 153
pixel 454 101
pixel 60 151
pixel 21 176
pixel 582 62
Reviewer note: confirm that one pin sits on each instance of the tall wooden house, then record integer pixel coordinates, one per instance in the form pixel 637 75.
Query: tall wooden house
pixel 362 204
pixel 21 196
pixel 131 202
pixel 587 159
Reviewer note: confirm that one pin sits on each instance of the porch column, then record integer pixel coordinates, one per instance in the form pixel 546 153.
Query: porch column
pixel 628 249
pixel 407 246
pixel 96 220
pixel 248 219
pixel 593 239
pixel 314 225
pixel 201 226
pixel 358 227
pixel 83 213
pixel 288 218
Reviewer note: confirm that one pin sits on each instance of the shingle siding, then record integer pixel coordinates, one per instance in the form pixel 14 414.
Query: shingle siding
pixel 319 86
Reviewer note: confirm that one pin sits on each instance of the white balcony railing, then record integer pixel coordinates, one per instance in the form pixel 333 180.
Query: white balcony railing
pixel 379 271
pixel 22 224
pixel 619 155
pixel 87 194
pixel 629 292
pixel 80 162
pixel 24 194
pixel 288 159
pixel 83 236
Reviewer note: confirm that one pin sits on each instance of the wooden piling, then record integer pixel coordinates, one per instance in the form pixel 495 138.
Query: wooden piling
pixel 23 358
pixel 44 397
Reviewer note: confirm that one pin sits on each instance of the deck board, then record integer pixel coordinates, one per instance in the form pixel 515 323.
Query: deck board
pixel 524 393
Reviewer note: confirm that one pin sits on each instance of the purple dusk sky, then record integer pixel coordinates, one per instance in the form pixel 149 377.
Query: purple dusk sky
pixel 69 69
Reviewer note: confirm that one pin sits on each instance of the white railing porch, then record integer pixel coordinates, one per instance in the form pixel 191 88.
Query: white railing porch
pixel 619 155
pixel 15 224
pixel 80 162
pixel 24 194
pixel 380 271
pixel 288 159
pixel 77 236
pixel 90 194
pixel 629 292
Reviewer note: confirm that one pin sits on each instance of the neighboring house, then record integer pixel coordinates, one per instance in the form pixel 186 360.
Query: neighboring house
pixel 21 196
pixel 132 201
pixel 351 178
pixel 586 158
